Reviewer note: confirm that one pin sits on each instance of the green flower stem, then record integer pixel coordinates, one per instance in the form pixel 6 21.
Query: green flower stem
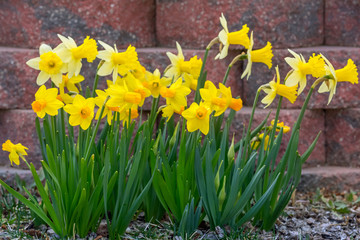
pixel 226 74
pixel 96 80
pixel 88 146
pixel 153 113
pixel 202 77
pixel 248 133
pixel 273 131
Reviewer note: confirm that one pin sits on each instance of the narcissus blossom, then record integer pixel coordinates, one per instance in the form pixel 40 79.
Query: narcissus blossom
pixel 50 65
pixel 108 111
pixel 73 54
pixel 346 74
pixel 46 102
pixel 315 67
pixel 70 83
pixel 275 88
pixel 280 125
pixel 15 150
pixel 81 111
pixel 219 99
pixel 125 115
pixel 236 38
pixel 169 110
pixel 189 70
pixel 197 117
pixel 176 94
pixel 122 97
pixel 154 82
pixel 117 62
pixel 263 55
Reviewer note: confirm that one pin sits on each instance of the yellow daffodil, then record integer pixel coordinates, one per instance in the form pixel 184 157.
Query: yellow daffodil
pixel 280 125
pixel 50 65
pixel 154 82
pixel 124 115
pixel 275 88
pixel 214 98
pixel 117 62
pixel 73 54
pixel 176 94
pixel 315 66
pixel 46 102
pixel 346 74
pixel 189 70
pixel 65 97
pixel 108 111
pixel 263 55
pixel 257 140
pixel 70 83
pixel 169 110
pixel 15 150
pixel 134 85
pixel 81 111
pixel 226 38
pixel 121 97
pixel 197 117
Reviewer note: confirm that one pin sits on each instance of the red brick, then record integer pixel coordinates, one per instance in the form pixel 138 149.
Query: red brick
pixel 343 137
pixel 193 23
pixel 312 123
pixel 342 20
pixel 19 127
pixel 346 94
pixel 29 23
pixel 335 179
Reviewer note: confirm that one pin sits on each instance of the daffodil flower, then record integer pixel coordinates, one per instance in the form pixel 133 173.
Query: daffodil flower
pixel 280 125
pixel 176 94
pixel 15 150
pixel 70 83
pixel 257 140
pixel 73 54
pixel 81 111
pixel 122 97
pixel 189 70
pixel 50 65
pixel 197 117
pixel 315 66
pixel 226 38
pixel 169 110
pixel 134 85
pixel 346 74
pixel 46 102
pixel 275 88
pixel 154 82
pixel 124 115
pixel 117 62
pixel 263 55
pixel 108 111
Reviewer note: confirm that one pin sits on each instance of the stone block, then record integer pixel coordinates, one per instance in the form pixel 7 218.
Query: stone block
pixel 335 179
pixel 194 23
pixel 31 22
pixel 343 137
pixel 342 20
pixel 346 94
pixel 312 124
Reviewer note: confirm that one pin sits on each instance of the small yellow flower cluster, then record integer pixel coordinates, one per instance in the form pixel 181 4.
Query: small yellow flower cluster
pixel 16 151
pixel 256 141
pixel 131 84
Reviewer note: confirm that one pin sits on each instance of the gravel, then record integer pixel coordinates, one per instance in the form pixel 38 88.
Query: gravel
pixel 303 218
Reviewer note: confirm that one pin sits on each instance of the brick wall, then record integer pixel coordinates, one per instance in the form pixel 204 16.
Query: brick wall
pixel 153 26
